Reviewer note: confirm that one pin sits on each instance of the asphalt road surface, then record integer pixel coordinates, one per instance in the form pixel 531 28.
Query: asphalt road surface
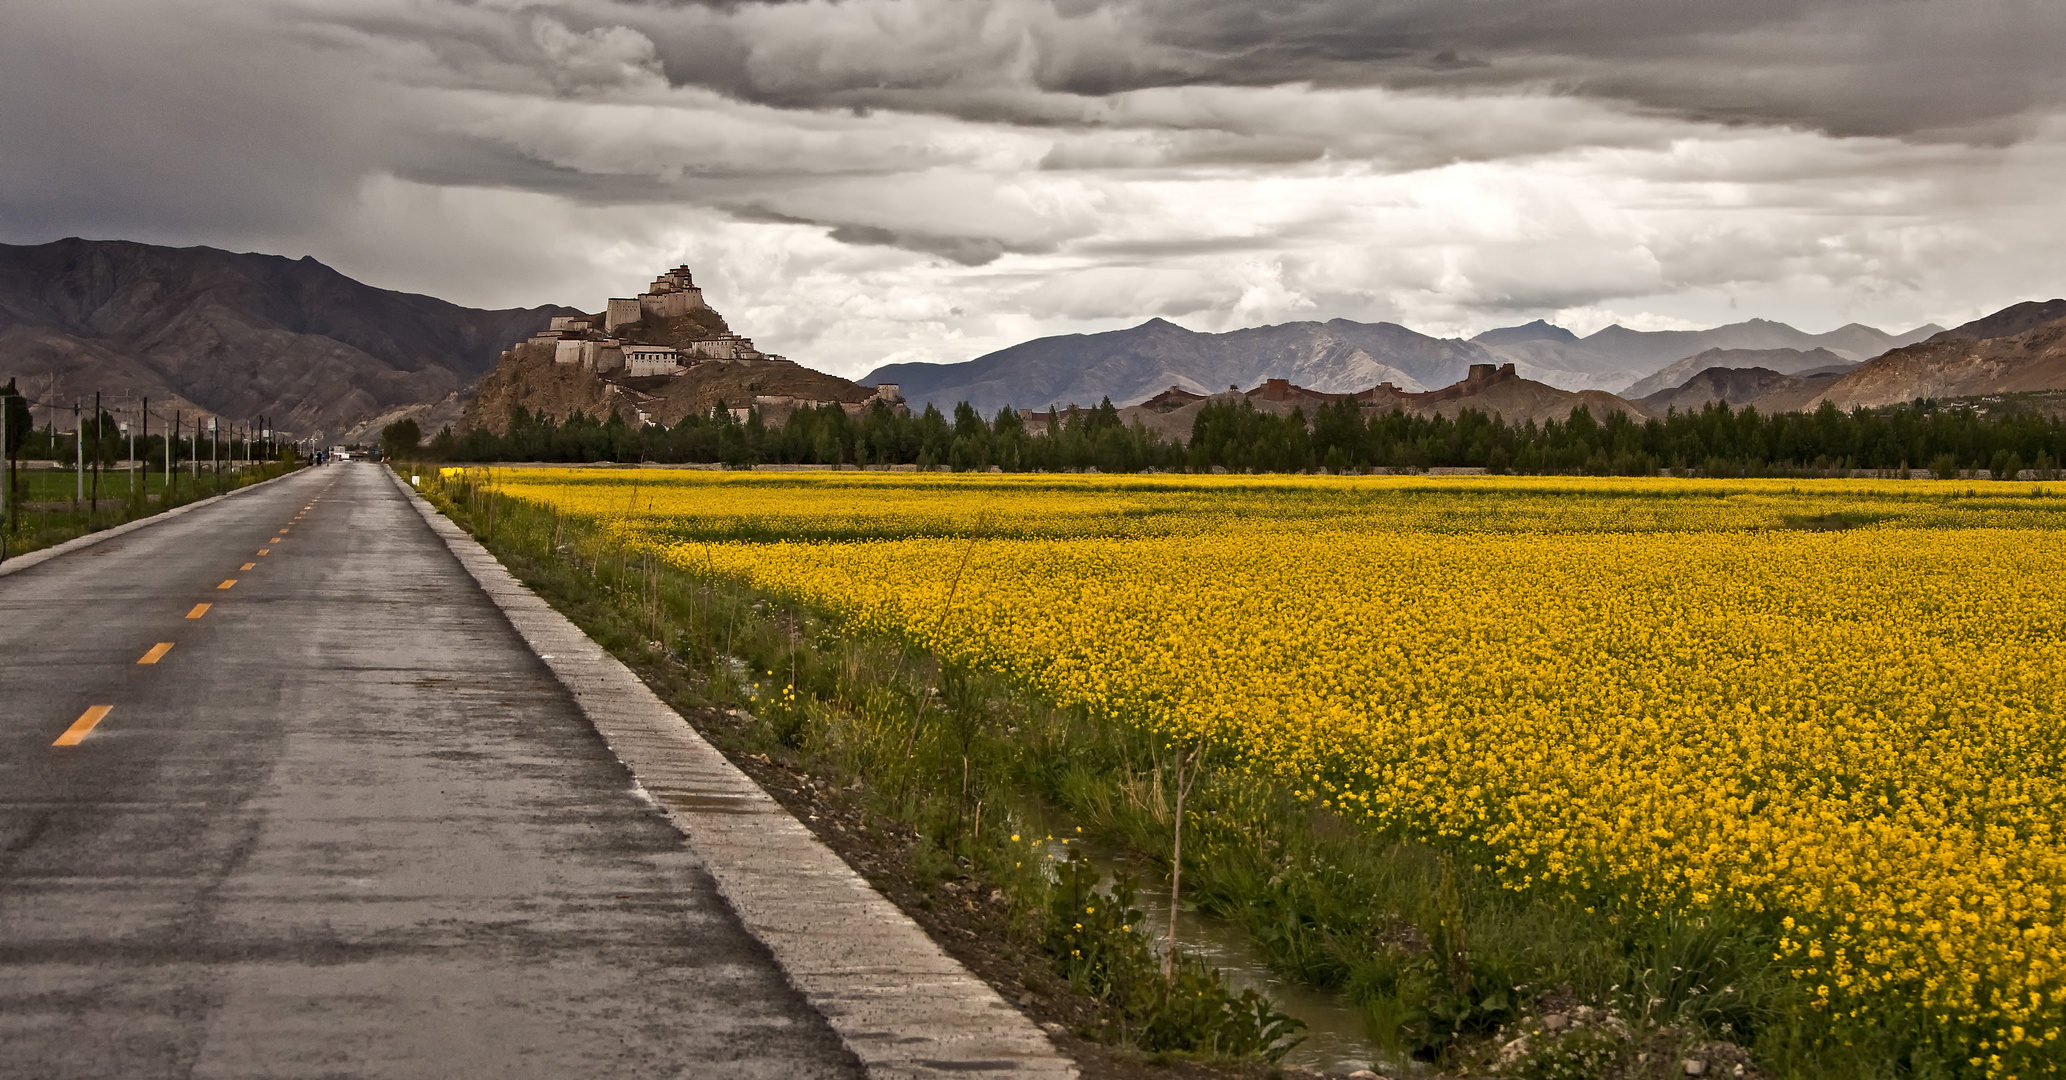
pixel 283 795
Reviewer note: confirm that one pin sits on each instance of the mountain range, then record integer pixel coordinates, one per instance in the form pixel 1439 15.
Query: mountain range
pixel 1136 363
pixel 2017 349
pixel 1340 356
pixel 200 330
pixel 1617 357
pixel 238 336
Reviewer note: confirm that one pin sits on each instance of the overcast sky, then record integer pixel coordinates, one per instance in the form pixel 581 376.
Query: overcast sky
pixel 886 180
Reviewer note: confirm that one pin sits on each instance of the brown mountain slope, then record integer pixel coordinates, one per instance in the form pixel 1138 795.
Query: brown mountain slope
pixel 1782 361
pixel 2008 322
pixel 1493 391
pixel 1503 393
pixel 2033 359
pixel 1738 386
pixel 239 336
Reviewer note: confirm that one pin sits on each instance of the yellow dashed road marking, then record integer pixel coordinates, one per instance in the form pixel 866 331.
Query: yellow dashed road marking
pixel 199 610
pixel 157 653
pixel 227 582
pixel 83 725
pixel 247 566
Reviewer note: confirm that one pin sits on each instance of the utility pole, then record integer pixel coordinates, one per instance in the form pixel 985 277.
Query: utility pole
pixel 171 451
pixel 96 451
pixel 144 418
pixel 6 476
pixel 129 429
pixel 79 448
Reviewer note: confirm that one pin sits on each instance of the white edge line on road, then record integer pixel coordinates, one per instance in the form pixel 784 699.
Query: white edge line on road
pixel 43 555
pixel 898 1002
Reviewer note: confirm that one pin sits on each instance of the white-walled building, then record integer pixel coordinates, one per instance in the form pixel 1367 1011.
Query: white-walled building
pixel 651 360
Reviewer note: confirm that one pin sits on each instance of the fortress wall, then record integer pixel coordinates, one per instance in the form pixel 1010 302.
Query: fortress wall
pixel 671 305
pixel 621 312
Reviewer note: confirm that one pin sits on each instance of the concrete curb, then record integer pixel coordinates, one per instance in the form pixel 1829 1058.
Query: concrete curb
pixel 899 1003
pixel 42 555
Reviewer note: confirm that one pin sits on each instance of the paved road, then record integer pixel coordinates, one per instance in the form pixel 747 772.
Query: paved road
pixel 347 825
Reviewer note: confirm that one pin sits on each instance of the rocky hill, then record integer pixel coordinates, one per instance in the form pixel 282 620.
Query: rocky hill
pixel 527 376
pixel 1620 357
pixel 655 358
pixel 1764 388
pixel 2018 349
pixel 1781 361
pixel 1133 364
pixel 1495 391
pixel 240 335
pixel 2008 322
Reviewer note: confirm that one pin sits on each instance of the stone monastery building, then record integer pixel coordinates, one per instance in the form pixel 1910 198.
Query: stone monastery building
pixel 671 295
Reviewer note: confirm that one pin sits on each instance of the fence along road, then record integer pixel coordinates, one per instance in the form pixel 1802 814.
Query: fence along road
pixel 282 794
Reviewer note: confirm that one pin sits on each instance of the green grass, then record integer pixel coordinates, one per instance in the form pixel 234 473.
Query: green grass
pixel 42 509
pixel 1447 964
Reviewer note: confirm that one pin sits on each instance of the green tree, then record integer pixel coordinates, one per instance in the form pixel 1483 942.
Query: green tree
pixel 400 437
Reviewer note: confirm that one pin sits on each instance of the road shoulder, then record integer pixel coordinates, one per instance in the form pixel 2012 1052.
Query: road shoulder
pixel 898 1002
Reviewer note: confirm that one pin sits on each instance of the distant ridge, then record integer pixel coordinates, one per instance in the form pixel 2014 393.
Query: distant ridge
pixel 1618 357
pixel 1342 356
pixel 1134 364
pixel 1735 386
pixel 2009 321
pixel 2021 348
pixel 1782 361
pixel 239 336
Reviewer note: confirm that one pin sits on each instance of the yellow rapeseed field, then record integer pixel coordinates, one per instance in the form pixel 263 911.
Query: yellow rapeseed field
pixel 1837 703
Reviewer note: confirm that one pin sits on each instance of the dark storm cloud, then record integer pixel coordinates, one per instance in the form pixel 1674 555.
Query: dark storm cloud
pixel 1936 67
pixel 916 162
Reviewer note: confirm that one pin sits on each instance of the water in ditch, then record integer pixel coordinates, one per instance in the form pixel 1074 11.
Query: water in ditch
pixel 1337 1037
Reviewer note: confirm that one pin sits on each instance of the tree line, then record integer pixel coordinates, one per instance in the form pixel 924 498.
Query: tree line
pixel 1713 441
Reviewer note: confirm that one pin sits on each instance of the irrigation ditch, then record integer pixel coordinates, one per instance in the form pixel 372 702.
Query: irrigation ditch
pixel 1023 837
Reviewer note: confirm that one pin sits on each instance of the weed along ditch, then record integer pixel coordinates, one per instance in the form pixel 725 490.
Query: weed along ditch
pixel 1552 829
pixel 1336 1038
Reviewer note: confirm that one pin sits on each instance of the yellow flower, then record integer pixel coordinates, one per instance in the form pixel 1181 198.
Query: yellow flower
pixel 1645 695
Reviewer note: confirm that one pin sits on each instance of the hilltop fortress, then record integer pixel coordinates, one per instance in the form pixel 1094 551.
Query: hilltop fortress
pixel 663 331
pixel 655 358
